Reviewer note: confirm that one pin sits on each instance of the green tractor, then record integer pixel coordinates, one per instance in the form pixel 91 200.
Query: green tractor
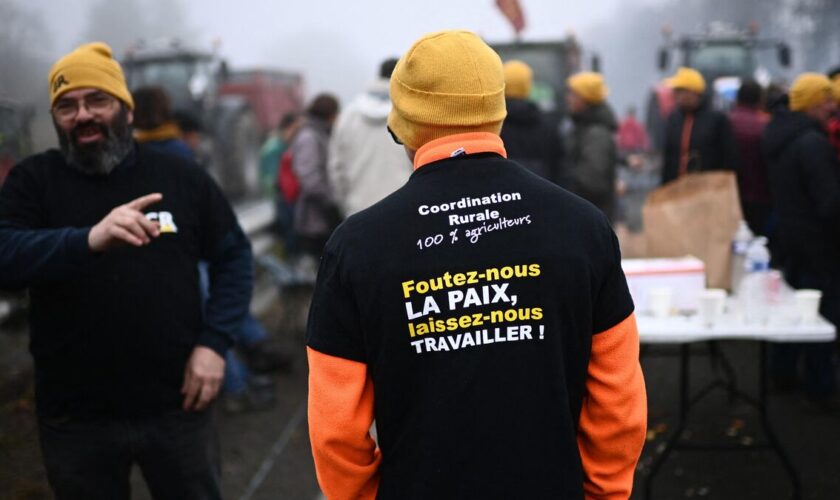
pixel 725 56
pixel 552 62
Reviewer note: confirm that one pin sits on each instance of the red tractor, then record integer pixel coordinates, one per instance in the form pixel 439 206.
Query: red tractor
pixel 237 109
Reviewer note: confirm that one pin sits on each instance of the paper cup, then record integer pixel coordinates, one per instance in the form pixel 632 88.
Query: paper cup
pixel 808 304
pixel 659 301
pixel 711 303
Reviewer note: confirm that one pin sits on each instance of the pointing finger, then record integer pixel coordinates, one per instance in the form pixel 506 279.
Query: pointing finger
pixel 144 201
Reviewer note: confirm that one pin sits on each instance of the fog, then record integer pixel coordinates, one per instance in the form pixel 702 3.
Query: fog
pixel 337 45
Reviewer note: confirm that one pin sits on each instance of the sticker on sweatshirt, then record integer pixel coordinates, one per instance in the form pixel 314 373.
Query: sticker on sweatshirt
pixel 471 309
pixel 166 221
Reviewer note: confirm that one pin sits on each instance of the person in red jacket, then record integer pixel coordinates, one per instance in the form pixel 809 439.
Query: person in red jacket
pixel 748 122
pixel 632 137
pixel 479 314
pixel 834 122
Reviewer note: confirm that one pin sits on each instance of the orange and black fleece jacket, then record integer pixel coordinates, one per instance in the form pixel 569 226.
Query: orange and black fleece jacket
pixel 479 315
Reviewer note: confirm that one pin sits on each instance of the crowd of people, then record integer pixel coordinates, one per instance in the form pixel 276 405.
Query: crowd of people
pixel 324 165
pixel 439 191
pixel 786 163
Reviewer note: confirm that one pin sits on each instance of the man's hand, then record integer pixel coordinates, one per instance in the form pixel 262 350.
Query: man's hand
pixel 202 378
pixel 125 224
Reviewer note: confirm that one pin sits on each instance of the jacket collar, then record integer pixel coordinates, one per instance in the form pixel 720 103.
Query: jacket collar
pixel 457 145
pixel 165 132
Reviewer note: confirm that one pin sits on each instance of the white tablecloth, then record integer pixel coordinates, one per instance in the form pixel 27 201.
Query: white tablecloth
pixel 682 329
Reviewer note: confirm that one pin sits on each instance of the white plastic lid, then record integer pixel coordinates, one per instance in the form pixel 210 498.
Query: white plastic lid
pixel 758 254
pixel 743 233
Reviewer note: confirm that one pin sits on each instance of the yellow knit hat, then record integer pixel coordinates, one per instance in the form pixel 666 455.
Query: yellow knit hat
pixel 835 87
pixel 808 90
pixel 589 86
pixel 518 79
pixel 89 66
pixel 687 79
pixel 449 82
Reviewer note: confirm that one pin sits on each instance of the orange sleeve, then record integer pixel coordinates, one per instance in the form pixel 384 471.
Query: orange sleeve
pixel 340 416
pixel 613 419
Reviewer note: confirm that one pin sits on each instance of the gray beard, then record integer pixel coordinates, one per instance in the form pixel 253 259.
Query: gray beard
pixel 102 158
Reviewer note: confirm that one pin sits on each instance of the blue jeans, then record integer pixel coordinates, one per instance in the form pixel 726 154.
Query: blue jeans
pixel 236 372
pixel 284 222
pixel 177 453
pixel 251 332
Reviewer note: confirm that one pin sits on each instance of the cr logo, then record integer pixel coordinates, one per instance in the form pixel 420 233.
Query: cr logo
pixel 167 222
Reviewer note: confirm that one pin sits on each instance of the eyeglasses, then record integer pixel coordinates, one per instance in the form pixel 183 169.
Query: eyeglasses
pixel 96 103
pixel 394 136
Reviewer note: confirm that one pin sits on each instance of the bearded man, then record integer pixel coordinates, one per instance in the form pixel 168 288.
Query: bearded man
pixel 106 235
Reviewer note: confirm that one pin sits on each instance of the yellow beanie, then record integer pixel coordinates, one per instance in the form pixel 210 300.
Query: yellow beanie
pixel 687 79
pixel 518 79
pixel 808 90
pixel 589 86
pixel 835 87
pixel 449 82
pixel 89 66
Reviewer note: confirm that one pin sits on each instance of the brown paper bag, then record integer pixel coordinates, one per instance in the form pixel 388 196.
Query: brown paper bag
pixel 696 214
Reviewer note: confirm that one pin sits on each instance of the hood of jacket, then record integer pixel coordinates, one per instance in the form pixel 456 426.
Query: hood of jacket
pixel 522 112
pixel 318 125
pixel 599 114
pixel 375 103
pixel 785 127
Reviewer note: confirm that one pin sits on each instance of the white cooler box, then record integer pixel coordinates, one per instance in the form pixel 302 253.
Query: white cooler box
pixel 685 276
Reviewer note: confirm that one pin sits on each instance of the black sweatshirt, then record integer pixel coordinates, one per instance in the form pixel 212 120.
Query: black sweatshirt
pixel 711 147
pixel 111 332
pixel 532 140
pixel 473 295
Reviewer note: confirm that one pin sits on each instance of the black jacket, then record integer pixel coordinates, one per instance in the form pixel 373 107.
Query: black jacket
pixel 805 183
pixel 592 156
pixel 438 413
pixel 712 145
pixel 531 140
pixel 112 332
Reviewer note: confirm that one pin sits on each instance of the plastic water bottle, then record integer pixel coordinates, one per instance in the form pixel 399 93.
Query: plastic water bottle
pixel 740 244
pixel 754 290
